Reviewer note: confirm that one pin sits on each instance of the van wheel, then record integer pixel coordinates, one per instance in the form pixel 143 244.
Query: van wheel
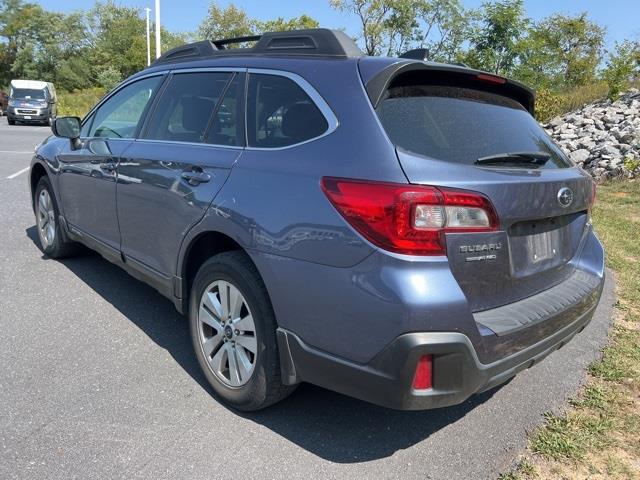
pixel 52 241
pixel 11 122
pixel 233 329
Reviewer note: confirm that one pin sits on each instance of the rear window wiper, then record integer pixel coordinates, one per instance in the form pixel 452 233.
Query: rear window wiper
pixel 535 158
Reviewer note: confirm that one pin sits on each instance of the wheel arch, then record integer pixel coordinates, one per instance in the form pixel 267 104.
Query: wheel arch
pixel 35 174
pixel 199 249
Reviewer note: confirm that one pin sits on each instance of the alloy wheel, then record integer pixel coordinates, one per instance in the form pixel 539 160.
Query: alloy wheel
pixel 46 219
pixel 227 333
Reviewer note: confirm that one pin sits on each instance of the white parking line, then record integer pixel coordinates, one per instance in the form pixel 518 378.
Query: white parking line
pixel 14 175
pixel 16 151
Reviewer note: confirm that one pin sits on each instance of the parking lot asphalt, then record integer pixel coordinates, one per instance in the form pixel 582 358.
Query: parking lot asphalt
pixel 98 380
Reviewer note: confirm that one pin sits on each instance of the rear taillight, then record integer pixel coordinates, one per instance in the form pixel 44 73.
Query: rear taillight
pixel 422 379
pixel 409 219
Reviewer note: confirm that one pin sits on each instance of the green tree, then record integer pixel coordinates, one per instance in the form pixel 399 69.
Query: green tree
pixel 117 38
pixel 495 39
pixel 443 28
pixel 229 22
pixel 280 24
pixel 622 66
pixel 394 26
pixel 372 15
pixel 561 51
pixel 42 45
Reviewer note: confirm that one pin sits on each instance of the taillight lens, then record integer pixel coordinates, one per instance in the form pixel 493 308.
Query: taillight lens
pixel 422 379
pixel 409 219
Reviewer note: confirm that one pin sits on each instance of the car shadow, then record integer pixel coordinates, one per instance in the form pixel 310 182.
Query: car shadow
pixel 332 426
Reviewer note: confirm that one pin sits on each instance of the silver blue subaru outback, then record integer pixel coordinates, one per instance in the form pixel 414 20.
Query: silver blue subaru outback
pixel 393 229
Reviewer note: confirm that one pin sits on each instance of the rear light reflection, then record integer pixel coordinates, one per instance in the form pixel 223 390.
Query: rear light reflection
pixel 423 378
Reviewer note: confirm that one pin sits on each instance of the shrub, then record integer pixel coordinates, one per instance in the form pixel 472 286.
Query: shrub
pixel 78 103
pixel 622 66
pixel 109 77
pixel 550 104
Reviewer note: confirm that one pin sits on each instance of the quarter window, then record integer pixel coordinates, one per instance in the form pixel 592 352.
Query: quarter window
pixel 184 112
pixel 280 113
pixel 120 115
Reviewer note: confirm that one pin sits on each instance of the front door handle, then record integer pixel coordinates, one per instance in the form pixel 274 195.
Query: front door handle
pixel 196 177
pixel 108 167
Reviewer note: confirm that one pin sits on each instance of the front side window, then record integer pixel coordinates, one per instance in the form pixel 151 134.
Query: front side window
pixel 185 111
pixel 280 113
pixel 121 114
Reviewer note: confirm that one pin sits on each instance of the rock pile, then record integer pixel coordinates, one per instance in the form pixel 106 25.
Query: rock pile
pixel 603 137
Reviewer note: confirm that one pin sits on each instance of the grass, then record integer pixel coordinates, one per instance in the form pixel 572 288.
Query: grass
pixel 599 436
pixel 78 104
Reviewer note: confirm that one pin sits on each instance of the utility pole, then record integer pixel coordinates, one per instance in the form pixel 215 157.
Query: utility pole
pixel 158 53
pixel 148 39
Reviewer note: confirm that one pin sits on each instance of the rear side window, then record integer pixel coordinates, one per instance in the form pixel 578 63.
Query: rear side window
pixel 280 113
pixel 460 125
pixel 185 110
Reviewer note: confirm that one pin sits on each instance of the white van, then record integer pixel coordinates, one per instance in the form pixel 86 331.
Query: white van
pixel 32 101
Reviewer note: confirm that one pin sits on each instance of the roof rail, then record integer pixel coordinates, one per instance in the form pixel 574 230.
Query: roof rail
pixel 321 42
pixel 222 44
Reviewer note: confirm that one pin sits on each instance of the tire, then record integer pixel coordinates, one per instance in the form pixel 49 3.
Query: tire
pixel 11 122
pixel 50 234
pixel 244 391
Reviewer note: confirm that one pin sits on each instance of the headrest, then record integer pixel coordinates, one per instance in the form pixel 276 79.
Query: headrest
pixel 196 113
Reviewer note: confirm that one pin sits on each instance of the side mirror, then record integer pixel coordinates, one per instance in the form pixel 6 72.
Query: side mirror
pixel 66 127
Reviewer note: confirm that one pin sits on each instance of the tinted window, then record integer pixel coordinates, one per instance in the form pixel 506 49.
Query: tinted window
pixel 226 127
pixel 280 113
pixel 119 116
pixel 186 107
pixel 461 125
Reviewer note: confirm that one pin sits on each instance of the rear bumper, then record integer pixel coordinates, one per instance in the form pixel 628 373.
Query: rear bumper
pixel 386 380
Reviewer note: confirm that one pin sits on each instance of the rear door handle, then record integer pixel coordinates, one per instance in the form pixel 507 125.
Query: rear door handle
pixel 195 177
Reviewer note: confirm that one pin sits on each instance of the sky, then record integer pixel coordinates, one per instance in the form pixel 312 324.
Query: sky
pixel 620 17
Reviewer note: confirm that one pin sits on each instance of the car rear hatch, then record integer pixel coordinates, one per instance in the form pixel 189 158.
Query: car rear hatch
pixel 459 128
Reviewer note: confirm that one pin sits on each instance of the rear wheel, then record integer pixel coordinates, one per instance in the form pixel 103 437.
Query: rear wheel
pixel 233 330
pixel 52 241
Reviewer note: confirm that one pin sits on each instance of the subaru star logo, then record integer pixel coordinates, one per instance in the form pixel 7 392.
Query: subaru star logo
pixel 565 197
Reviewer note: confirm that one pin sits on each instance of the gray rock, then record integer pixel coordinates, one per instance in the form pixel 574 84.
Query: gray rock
pixel 580 156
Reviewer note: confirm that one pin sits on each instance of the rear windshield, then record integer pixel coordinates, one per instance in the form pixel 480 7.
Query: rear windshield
pixel 28 93
pixel 460 125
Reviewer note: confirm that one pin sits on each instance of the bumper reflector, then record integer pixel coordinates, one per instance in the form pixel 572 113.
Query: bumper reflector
pixel 423 377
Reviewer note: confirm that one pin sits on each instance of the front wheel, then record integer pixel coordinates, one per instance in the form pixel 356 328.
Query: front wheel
pixel 52 241
pixel 11 122
pixel 233 330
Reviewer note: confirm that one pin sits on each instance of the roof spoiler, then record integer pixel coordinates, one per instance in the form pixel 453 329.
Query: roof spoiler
pixel 311 42
pixel 449 74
